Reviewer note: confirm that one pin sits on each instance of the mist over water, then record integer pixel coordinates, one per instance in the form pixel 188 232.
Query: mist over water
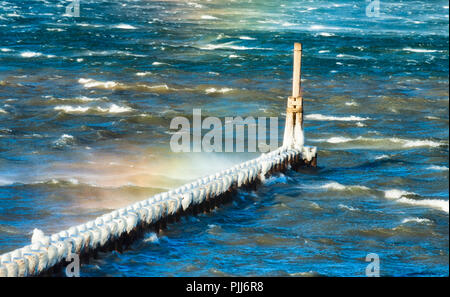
pixel 86 103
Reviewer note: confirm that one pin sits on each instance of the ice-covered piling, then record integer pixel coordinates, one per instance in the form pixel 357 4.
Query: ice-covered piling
pixel 117 229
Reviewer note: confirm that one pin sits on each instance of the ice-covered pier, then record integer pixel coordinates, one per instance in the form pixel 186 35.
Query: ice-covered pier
pixel 117 229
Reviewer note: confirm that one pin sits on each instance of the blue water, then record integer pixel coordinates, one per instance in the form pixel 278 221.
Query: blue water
pixel 86 103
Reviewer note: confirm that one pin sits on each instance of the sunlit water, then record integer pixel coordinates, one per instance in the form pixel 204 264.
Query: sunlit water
pixel 85 107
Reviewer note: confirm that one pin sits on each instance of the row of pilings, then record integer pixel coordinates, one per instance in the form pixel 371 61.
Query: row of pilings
pixel 117 230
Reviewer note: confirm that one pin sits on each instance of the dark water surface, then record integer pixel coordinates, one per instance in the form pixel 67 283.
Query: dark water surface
pixel 85 107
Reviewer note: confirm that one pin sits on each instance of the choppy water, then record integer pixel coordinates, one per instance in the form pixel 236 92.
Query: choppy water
pixel 85 107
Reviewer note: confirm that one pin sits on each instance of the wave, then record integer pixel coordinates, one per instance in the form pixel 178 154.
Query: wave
pixel 65 140
pixel 383 142
pixel 29 54
pixel 194 4
pixel 246 38
pixel 340 187
pixel 419 50
pixel 416 220
pixel 125 27
pixel 151 237
pixel 89 25
pixel 343 206
pixel 280 179
pixel 110 53
pixel 416 143
pixel 214 90
pixel 326 34
pixel 91 83
pixel 113 108
pixel 320 117
pixel 401 196
pixel 55 29
pixel 230 45
pixel 208 17
pixel 51 99
pixel 438 168
pixel 351 103
pixel 382 157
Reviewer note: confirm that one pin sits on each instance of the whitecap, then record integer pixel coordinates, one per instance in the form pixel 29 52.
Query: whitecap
pixel 351 103
pixel 433 203
pixel 287 24
pixel 230 45
pixel 71 109
pixel 338 139
pixel 416 220
pixel 208 17
pixel 326 34
pixel 382 157
pixel 340 187
pixel 55 29
pixel 112 108
pixel 418 50
pixel 195 5
pixel 343 206
pixel 320 117
pixel 125 27
pixel 13 15
pixel 396 194
pixel 246 38
pixel 401 197
pixel 164 86
pixel 214 90
pixel 91 83
pixel 438 168
pixel 29 54
pixel 143 73
pixel 415 143
pixel 281 179
pixel 65 139
pixel 403 143
pixel 151 237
